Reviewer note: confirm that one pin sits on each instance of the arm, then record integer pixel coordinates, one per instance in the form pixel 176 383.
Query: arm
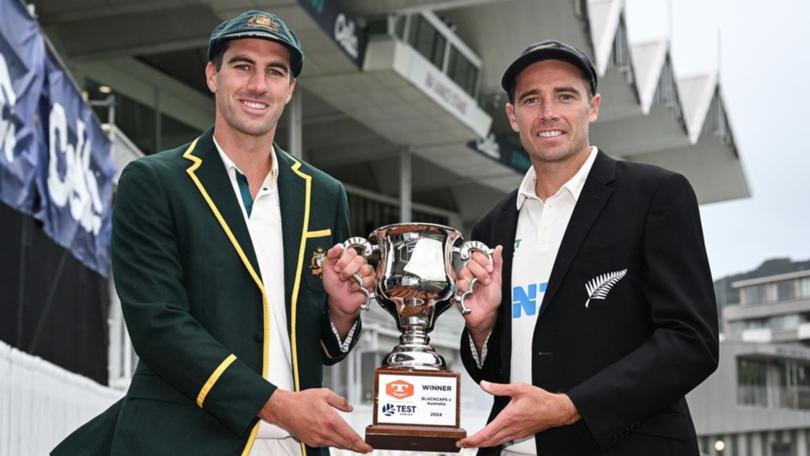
pixel 480 335
pixel 169 339
pixel 341 317
pixel 683 347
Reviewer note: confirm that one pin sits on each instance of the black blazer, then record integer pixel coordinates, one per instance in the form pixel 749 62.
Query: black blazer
pixel 626 361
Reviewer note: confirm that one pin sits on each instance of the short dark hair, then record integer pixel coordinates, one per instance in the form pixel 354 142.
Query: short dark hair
pixel 217 59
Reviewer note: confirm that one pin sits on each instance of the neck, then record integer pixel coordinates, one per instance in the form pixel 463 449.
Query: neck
pixel 251 154
pixel 551 175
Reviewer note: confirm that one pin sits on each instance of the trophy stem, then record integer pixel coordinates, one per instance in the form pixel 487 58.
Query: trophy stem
pixel 414 352
pixel 415 336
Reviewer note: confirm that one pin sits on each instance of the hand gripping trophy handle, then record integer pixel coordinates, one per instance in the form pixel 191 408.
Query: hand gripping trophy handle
pixel 364 248
pixel 465 253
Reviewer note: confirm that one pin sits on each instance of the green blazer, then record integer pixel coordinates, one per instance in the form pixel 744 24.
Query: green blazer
pixel 196 308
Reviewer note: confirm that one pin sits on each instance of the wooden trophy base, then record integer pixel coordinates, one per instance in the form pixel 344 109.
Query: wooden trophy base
pixel 415 410
pixel 414 438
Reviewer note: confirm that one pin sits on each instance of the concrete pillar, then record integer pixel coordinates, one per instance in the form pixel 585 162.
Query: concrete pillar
pixel 405 187
pixel 295 142
pixel 801 442
pixel 741 445
pixel 756 444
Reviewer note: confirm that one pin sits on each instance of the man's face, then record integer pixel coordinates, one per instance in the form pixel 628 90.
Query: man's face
pixel 552 111
pixel 252 86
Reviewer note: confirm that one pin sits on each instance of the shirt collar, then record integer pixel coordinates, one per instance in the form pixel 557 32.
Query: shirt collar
pixel 573 185
pixel 229 164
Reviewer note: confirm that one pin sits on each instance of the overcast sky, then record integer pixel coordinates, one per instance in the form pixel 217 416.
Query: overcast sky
pixel 764 60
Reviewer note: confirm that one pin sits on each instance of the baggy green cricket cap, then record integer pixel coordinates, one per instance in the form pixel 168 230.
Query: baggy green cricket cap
pixel 258 24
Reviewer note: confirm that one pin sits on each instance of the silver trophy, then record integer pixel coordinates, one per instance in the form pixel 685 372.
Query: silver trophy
pixel 416 282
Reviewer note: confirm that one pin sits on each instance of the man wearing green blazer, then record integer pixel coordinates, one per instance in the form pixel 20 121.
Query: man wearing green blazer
pixel 233 298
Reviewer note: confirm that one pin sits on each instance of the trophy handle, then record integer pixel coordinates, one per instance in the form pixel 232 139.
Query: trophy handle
pixel 363 247
pixel 465 253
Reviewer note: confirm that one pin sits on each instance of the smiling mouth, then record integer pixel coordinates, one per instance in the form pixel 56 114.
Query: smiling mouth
pixel 254 104
pixel 550 133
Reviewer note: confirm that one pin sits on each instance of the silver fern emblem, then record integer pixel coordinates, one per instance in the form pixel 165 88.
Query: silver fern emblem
pixel 600 286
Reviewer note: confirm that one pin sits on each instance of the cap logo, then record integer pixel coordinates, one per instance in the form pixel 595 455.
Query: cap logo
pixel 265 22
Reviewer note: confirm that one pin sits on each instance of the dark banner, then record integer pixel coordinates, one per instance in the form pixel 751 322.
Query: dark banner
pixel 339 25
pixel 22 57
pixel 56 161
pixel 504 149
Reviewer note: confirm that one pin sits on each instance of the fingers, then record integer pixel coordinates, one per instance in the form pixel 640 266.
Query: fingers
pixel 340 434
pixel 485 436
pixel 500 430
pixel 497 262
pixel 344 257
pixel 334 252
pixel 494 434
pixel 479 266
pixel 499 389
pixel 337 401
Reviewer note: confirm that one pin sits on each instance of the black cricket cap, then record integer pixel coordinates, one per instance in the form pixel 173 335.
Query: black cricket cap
pixel 549 50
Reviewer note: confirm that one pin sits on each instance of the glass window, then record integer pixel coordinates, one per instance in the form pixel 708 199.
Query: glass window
pixel 462 71
pixel 754 295
pixel 427 40
pixel 752 382
pixel 399 27
pixel 805 287
pixel 786 290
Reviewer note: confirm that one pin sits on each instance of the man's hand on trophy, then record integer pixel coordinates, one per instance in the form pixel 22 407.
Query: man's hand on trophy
pixel 530 411
pixel 342 289
pixel 310 417
pixel 486 296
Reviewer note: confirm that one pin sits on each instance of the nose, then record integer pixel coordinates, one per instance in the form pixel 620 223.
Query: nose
pixel 549 112
pixel 257 82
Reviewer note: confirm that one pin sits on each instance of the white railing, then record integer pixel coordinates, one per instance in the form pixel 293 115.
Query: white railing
pixel 41 403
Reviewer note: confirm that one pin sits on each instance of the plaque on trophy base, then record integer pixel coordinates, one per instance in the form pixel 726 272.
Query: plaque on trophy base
pixel 416 399
pixel 415 410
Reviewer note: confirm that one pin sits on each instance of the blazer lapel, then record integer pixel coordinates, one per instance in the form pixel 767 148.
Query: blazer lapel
pixel 596 192
pixel 292 191
pixel 210 178
pixel 505 236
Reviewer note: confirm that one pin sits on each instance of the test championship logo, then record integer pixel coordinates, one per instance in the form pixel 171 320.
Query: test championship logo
pixel 399 389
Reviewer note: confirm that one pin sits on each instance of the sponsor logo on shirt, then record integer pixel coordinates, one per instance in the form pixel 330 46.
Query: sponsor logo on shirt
pixel 525 299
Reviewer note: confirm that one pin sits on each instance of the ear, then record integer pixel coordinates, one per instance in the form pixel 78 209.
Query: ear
pixel 211 77
pixel 510 114
pixel 596 103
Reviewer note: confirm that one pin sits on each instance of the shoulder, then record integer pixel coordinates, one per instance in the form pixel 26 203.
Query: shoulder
pixel 165 161
pixel 646 177
pixel 319 179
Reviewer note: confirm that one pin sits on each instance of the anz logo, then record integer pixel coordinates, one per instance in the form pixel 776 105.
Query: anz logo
pixel 525 299
pixel 388 409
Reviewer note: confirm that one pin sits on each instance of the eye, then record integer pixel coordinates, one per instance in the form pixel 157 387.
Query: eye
pixel 275 72
pixel 566 97
pixel 531 101
pixel 242 67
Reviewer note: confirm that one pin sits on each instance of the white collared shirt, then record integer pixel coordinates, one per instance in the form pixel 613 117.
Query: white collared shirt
pixel 540 229
pixel 264 226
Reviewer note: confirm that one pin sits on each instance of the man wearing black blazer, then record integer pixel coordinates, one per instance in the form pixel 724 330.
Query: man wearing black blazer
pixel 597 315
